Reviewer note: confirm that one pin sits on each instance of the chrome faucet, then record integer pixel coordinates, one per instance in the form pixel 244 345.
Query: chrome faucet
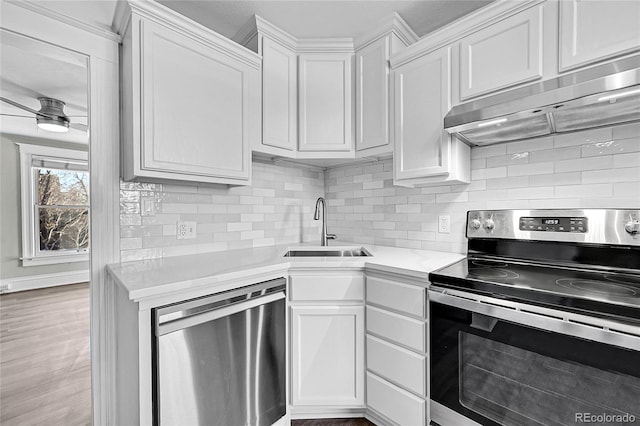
pixel 325 236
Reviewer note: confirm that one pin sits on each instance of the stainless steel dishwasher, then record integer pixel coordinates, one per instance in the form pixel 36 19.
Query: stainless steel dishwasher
pixel 220 359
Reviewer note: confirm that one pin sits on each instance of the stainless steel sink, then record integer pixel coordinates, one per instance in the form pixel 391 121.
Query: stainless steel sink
pixel 329 252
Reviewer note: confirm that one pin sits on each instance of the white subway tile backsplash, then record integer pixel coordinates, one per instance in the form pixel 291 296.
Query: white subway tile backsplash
pixel 530 145
pixel 227 217
pixel 530 169
pixel 581 164
pixel 627 160
pixel 580 138
pixel 555 179
pixel 489 173
pixel 585 191
pixel 550 172
pixel 627 174
pixel 597 168
pixel 488 151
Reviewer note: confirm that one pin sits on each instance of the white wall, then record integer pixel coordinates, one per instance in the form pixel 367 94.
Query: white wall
pixel 592 169
pixel 10 215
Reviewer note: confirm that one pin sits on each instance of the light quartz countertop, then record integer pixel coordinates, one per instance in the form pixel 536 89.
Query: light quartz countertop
pixel 159 277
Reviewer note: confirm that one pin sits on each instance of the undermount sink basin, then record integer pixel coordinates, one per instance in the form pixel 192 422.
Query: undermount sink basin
pixel 327 252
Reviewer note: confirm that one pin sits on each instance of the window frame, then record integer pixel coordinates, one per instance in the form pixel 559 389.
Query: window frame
pixel 31 253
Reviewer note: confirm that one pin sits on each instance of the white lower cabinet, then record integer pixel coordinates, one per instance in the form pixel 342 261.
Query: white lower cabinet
pixel 397 364
pixel 326 343
pixel 396 347
pixel 328 356
pixel 396 404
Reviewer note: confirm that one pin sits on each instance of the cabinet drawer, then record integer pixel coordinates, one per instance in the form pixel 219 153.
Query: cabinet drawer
pixel 405 331
pixel 405 298
pixel 399 365
pixel 327 287
pixel 398 405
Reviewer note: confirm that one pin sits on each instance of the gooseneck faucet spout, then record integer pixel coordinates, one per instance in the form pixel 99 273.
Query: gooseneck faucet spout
pixel 324 237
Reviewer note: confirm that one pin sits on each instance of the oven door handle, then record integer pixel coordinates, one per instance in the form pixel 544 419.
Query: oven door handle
pixel 577 325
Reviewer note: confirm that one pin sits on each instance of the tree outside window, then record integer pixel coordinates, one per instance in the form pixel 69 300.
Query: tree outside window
pixel 62 209
pixel 55 205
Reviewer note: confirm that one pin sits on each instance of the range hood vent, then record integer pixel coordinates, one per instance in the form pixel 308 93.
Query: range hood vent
pixel 605 95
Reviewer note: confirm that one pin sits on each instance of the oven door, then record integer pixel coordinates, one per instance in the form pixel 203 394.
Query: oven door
pixel 497 362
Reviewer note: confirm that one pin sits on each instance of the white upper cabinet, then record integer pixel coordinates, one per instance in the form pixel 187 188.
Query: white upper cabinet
pixel 190 101
pixel 372 95
pixel 325 107
pixel 501 55
pixel 279 96
pixel 279 85
pixel 372 101
pixel 591 31
pixel 424 153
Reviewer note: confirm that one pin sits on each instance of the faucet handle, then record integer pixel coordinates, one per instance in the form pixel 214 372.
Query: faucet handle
pixel 331 236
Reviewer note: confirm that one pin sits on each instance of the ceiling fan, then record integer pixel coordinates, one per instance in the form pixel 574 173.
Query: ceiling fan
pixel 51 115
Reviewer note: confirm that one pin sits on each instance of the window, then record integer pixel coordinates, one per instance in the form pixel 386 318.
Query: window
pixel 55 205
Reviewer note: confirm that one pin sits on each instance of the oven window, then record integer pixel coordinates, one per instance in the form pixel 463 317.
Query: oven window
pixel 514 386
pixel 497 372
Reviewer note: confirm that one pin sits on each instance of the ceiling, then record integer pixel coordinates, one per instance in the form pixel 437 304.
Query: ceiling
pixel 31 68
pixel 323 18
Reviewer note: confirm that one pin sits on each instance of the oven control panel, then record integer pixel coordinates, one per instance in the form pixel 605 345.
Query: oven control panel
pixel 554 224
pixel 597 226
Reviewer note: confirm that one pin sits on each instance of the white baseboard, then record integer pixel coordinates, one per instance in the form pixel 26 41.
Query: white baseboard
pixel 32 282
pixel 320 412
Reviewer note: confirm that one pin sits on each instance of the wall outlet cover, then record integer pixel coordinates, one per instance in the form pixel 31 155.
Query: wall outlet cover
pixel 444 224
pixel 186 230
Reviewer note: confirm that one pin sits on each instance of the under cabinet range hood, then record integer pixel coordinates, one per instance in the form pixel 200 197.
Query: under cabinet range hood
pixel 605 95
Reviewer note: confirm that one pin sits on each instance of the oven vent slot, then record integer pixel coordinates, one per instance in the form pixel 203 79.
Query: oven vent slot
pixel 499 305
pixel 586 324
pixel 626 333
pixel 546 315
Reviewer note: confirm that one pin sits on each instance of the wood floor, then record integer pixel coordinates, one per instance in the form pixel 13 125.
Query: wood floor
pixel 45 372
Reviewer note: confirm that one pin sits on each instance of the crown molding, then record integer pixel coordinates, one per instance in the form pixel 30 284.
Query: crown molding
pixel 392 24
pixel 247 32
pixel 325 45
pixel 101 31
pixel 258 25
pixel 121 17
pixel 460 28
pixel 152 11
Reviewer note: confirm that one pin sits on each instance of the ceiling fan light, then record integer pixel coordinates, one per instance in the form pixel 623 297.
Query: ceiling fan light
pixel 53 124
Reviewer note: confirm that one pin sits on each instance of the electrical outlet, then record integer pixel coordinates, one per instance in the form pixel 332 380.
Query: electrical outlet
pixel 186 230
pixel 444 224
pixel 148 206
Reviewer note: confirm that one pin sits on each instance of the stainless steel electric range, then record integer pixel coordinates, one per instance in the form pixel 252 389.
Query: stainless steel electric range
pixel 540 323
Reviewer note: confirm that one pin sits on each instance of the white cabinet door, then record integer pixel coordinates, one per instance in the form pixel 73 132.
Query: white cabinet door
pixel 195 106
pixel 327 355
pixel 279 104
pixel 422 97
pixel 325 108
pixel 503 54
pixel 591 31
pixel 372 95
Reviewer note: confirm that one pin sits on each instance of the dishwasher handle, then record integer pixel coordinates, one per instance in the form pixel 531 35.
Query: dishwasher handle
pixel 224 311
pixel 210 307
